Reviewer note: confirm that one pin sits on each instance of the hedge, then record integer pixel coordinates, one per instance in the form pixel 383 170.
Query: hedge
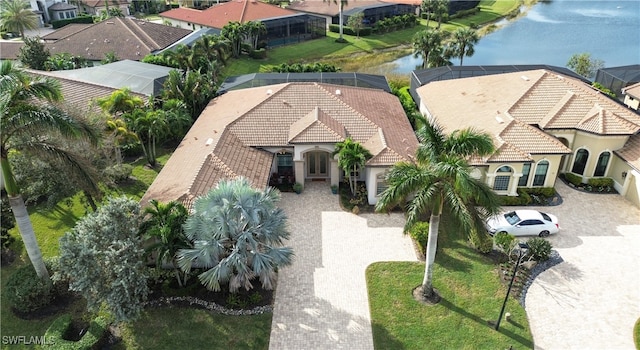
pixel 63 22
pixel 55 332
pixel 576 180
pixel 366 31
pixel 601 182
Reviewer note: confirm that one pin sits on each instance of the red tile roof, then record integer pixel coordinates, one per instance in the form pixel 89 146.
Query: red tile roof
pixel 218 16
pixel 129 38
pixel 100 3
pixel 328 7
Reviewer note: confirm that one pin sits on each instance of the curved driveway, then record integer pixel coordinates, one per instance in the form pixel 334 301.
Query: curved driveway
pixel 592 299
pixel 321 300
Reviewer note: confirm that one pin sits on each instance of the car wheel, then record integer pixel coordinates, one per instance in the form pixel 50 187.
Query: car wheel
pixel 544 233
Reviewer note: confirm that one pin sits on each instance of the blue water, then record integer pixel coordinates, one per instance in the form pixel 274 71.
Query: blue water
pixel 553 31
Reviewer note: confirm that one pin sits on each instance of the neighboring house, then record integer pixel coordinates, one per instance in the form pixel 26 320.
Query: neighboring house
pixel 371 81
pixel 617 78
pixel 373 10
pixel 632 96
pixel 62 10
pixel 543 124
pixel 65 31
pixel 283 26
pixel 10 50
pixel 141 78
pixel 128 38
pixel 286 132
pixel 96 7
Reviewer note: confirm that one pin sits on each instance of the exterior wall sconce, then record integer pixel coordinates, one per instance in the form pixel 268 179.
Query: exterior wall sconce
pixel 624 174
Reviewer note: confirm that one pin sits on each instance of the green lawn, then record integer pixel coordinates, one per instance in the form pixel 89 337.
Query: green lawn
pixel 471 295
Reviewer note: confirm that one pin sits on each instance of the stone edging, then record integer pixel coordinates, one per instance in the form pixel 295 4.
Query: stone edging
pixel 554 259
pixel 207 305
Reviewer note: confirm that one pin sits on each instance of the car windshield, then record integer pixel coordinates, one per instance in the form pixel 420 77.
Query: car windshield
pixel 545 216
pixel 512 218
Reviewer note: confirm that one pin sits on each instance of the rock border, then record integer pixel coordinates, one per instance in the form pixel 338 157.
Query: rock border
pixel 540 267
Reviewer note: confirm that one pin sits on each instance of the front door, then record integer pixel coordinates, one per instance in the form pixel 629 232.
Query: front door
pixel 317 164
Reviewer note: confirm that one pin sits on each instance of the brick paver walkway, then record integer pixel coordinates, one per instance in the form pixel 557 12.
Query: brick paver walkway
pixel 321 300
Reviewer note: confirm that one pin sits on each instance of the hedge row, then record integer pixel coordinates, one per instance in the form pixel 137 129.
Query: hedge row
pixel 349 31
pixel 63 22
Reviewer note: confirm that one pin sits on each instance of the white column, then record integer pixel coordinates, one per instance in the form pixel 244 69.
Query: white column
pixel 513 185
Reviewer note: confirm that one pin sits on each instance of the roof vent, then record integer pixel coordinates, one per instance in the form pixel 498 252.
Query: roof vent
pixel 109 22
pixel 269 92
pixel 499 119
pixel 209 142
pixel 338 92
pixel 525 78
pixel 285 102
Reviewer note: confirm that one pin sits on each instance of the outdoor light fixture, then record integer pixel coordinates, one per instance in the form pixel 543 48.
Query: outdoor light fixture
pixel 522 251
pixel 624 174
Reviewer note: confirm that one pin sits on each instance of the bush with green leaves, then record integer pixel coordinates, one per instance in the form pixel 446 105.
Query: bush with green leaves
pixel 7 222
pixel 27 292
pixel 420 233
pixel 539 249
pixel 523 198
pixel 505 242
pixel 55 334
pixel 33 53
pixel 601 182
pixel 103 259
pixel 576 180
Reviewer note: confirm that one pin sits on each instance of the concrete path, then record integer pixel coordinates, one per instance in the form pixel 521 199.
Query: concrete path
pixel 592 299
pixel 321 300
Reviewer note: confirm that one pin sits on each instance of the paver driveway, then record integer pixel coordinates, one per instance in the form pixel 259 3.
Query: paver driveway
pixel 592 299
pixel 321 300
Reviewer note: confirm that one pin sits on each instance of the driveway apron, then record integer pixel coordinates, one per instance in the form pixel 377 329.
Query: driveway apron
pixel 592 299
pixel 321 299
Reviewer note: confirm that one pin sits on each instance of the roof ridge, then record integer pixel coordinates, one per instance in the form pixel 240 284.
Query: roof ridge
pixel 323 87
pixel 244 8
pixel 527 91
pixel 136 34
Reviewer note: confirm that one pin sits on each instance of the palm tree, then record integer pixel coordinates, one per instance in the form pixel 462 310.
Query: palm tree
pixel 440 182
pixel 237 233
pixel 235 33
pixel 253 30
pixel 213 47
pixel 440 8
pixel 340 4
pixel 426 43
pixel 119 102
pixel 163 226
pixel 193 88
pixel 351 157
pixel 16 16
pixel 463 41
pixel 25 126
pixel 120 134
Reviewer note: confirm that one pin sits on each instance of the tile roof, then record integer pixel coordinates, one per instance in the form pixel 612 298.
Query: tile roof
pixel 329 7
pixel 228 137
pixel 631 152
pixel 9 50
pixel 129 38
pixel 100 3
pixel 61 6
pixel 516 108
pixel 632 90
pixel 218 16
pixel 65 31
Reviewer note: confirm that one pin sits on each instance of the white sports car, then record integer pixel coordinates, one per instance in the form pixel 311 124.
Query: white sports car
pixel 523 223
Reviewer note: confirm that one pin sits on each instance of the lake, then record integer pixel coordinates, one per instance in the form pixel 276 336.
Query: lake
pixel 551 32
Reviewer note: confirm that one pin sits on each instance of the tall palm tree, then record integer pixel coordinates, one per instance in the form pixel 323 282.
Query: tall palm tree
pixel 213 47
pixel 163 225
pixel 440 182
pixel 428 43
pixel 237 233
pixel 340 4
pixel 235 33
pixel 253 31
pixel 120 101
pixel 463 41
pixel 25 125
pixel 351 157
pixel 16 16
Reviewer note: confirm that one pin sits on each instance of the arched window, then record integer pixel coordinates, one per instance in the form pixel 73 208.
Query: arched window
pixel 503 176
pixel 580 162
pixel 603 161
pixel 526 169
pixel 541 173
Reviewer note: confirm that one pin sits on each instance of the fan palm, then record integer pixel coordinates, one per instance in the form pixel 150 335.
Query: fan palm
pixel 440 182
pixel 428 43
pixel 27 124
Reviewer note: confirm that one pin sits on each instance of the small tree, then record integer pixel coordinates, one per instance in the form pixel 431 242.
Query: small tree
pixel 16 16
pixel 355 22
pixel 33 53
pixel 237 234
pixel 584 64
pixel 102 258
pixel 351 157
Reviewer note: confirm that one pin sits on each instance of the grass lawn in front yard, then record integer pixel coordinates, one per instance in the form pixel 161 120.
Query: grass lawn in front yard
pixel 471 294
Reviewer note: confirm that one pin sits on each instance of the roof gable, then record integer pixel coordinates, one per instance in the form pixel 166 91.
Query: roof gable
pixel 630 153
pixel 316 127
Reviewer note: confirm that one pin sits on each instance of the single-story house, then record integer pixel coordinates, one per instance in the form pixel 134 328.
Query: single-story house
pixel 543 124
pixel 373 11
pixel 128 38
pixel 286 132
pixel 283 26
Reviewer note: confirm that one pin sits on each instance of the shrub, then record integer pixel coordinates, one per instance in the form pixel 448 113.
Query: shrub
pixel 505 242
pixel 258 54
pixel 26 291
pixel 420 233
pixel 601 182
pixel 522 199
pixel 63 22
pixel 576 180
pixel 55 334
pixel 543 191
pixel 539 249
pixel 119 172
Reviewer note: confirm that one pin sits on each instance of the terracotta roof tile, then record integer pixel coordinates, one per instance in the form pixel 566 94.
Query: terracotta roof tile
pixel 632 90
pixel 316 127
pixel 100 3
pixel 631 152
pixel 328 8
pixel 218 16
pixel 127 38
pixel 531 140
pixel 507 153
